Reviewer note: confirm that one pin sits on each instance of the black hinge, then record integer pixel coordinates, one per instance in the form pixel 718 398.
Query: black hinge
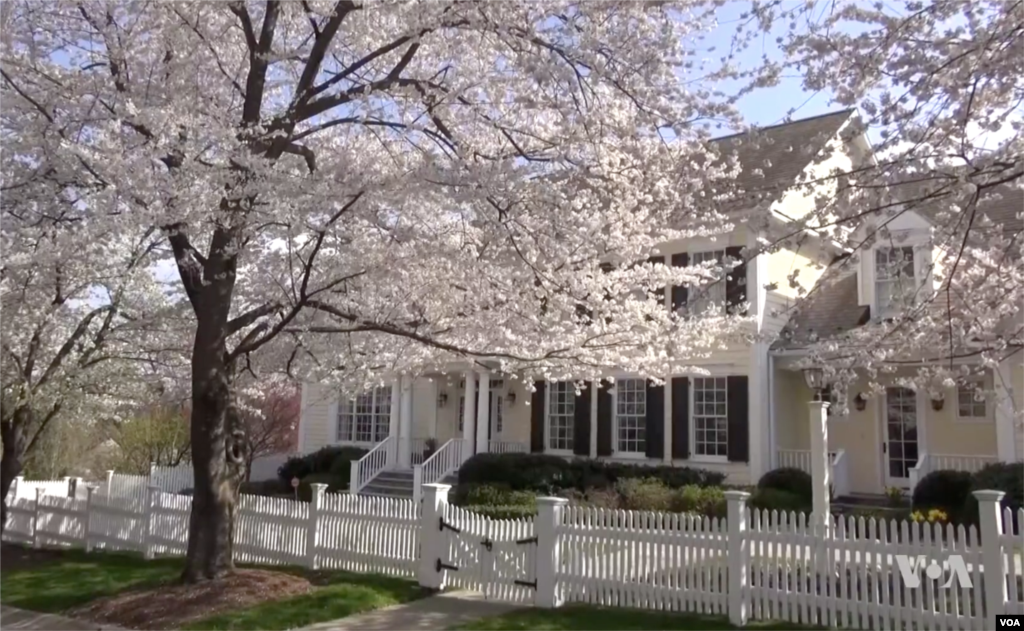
pixel 442 524
pixel 444 566
pixel 532 584
pixel 525 541
pixel 487 543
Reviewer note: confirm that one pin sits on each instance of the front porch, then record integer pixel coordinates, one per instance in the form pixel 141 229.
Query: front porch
pixel 892 439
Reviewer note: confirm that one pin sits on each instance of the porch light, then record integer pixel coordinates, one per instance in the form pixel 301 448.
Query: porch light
pixel 815 378
pixel 442 399
pixel 938 400
pixel 860 402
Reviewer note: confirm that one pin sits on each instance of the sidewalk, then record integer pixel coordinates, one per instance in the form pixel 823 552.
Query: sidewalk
pixel 439 612
pixel 11 618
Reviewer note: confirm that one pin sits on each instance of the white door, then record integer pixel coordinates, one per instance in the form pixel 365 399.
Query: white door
pixel 899 435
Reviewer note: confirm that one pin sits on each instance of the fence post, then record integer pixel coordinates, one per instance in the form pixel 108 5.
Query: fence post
pixel 315 500
pixel 36 543
pixel 545 527
pixel 13 493
pixel 147 522
pixel 89 490
pixel 67 480
pixel 353 477
pixel 152 474
pixel 739 553
pixel 417 484
pixel 110 481
pixel 432 548
pixel 990 525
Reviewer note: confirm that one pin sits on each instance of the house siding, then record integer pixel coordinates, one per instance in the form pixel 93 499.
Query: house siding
pixel 1017 373
pixel 318 429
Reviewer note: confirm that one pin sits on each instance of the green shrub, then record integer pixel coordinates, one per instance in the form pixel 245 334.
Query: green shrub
pixel 945 489
pixel 331 459
pixel 777 499
pixel 1007 477
pixel 546 474
pixel 341 466
pixel 295 467
pixel 649 494
pixel 494 495
pixel 703 500
pixel 504 512
pixel 334 485
pixel 790 480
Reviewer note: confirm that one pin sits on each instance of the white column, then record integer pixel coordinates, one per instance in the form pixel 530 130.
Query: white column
pixel 758 413
pixel 819 463
pixel 666 432
pixel 395 422
pixel 405 425
pixel 483 412
pixel 1006 440
pixel 469 422
pixel 595 389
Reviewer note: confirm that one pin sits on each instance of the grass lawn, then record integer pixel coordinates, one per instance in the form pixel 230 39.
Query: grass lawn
pixel 71 578
pixel 609 619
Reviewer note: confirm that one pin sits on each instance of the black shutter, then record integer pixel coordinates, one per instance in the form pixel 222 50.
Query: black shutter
pixel 537 417
pixel 736 281
pixel 581 423
pixel 604 420
pixel 655 437
pixel 680 418
pixel 679 292
pixel 660 292
pixel 738 397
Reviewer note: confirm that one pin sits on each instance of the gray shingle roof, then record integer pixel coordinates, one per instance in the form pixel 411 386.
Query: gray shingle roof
pixel 771 158
pixel 828 311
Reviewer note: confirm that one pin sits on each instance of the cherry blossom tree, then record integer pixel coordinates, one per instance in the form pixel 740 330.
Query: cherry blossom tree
pixel 937 86
pixel 355 190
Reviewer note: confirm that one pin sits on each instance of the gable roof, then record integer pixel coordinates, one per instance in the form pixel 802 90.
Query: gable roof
pixel 827 312
pixel 771 158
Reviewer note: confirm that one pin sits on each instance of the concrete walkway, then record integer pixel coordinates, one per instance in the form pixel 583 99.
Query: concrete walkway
pixel 433 613
pixel 11 618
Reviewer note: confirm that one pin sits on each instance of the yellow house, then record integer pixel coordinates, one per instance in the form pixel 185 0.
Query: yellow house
pixel 894 437
pixel 741 416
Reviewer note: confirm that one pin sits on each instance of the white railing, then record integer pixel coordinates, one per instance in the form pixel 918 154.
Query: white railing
pixel 441 463
pixel 926 463
pixel 416 447
pixel 380 458
pixel 507 447
pixel 840 474
pixel 795 459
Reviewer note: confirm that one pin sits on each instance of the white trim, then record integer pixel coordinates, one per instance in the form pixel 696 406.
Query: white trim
pixel 594 394
pixel 547 422
pixel 694 456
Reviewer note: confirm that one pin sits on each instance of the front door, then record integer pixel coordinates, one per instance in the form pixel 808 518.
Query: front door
pixel 899 435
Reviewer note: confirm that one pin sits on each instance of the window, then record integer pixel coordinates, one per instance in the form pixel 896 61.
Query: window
pixel 710 417
pixel 631 415
pixel 366 418
pixel 970 400
pixel 561 415
pixel 894 277
pixel 701 298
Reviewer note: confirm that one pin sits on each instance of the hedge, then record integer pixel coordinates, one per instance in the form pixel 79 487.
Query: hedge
pixel 547 474
pixel 333 459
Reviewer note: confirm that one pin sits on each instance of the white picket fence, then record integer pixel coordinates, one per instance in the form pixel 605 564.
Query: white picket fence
pixel 172 479
pixel 752 565
pixel 21 487
pixel 349 532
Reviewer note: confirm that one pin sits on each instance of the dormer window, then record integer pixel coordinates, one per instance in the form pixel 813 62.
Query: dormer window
pixel 894 278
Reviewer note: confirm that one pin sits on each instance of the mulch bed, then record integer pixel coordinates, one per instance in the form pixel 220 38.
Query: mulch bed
pixel 172 605
pixel 16 557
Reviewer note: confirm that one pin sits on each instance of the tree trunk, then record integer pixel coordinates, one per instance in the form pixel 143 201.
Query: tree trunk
pixel 218 459
pixel 13 432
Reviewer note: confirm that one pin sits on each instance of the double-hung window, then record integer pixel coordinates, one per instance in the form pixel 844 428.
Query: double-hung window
pixel 970 400
pixel 710 417
pixel 711 292
pixel 895 281
pixel 561 415
pixel 631 416
pixel 366 418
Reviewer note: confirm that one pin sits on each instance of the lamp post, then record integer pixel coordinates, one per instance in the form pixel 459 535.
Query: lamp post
pixel 820 474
